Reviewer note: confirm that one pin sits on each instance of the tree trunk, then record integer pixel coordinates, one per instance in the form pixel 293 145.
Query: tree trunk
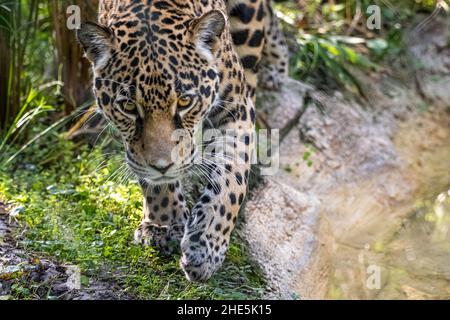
pixel 5 62
pixel 76 71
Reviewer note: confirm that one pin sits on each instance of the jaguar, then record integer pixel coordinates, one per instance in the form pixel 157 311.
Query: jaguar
pixel 165 73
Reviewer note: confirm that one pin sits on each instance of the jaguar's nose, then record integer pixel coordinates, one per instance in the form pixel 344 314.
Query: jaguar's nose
pixel 161 166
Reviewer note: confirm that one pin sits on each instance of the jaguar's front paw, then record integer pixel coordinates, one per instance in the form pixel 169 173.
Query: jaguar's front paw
pixel 166 239
pixel 201 258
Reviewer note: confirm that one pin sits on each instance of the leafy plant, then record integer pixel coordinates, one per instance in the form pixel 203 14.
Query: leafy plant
pixel 331 55
pixel 22 120
pixel 332 37
pixel 17 27
pixel 22 101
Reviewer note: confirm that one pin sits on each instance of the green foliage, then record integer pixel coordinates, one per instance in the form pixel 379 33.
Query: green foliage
pixel 320 54
pixel 80 209
pixel 308 154
pixel 19 125
pixel 331 56
pixel 331 38
pixel 25 30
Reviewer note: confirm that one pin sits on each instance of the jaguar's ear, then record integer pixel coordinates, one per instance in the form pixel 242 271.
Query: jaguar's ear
pixel 97 42
pixel 207 31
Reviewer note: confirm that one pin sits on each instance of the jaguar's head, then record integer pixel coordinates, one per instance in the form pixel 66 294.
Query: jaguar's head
pixel 156 79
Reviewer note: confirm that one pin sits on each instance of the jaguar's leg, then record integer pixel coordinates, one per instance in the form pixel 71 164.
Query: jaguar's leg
pixel 274 64
pixel 207 233
pixel 165 214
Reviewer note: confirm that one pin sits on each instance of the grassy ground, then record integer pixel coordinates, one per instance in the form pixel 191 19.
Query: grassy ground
pixel 73 205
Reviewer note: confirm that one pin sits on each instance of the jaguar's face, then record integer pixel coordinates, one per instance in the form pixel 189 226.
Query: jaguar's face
pixel 156 88
pixel 157 116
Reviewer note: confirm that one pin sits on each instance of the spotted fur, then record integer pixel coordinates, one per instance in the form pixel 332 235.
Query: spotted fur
pixel 160 66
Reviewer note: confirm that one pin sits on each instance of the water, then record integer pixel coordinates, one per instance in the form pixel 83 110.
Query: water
pixel 416 261
pixel 392 237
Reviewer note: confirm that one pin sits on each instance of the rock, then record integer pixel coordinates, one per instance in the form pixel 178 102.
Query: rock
pixel 415 294
pixel 290 97
pixel 286 234
pixel 368 162
pixel 432 53
pixel 333 164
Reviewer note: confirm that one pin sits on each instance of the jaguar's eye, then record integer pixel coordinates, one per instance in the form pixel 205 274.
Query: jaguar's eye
pixel 185 102
pixel 128 108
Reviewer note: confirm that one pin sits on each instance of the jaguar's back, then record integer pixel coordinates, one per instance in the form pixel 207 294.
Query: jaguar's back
pixel 255 30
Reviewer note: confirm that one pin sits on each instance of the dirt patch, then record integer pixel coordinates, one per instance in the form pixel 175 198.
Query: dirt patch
pixel 32 275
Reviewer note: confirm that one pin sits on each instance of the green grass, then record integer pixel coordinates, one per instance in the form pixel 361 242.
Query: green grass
pixel 70 208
